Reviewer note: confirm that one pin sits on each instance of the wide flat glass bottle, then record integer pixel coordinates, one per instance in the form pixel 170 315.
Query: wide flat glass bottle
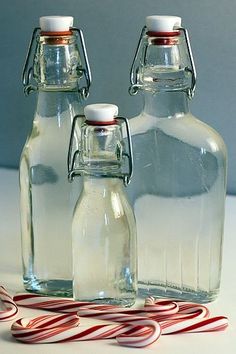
pixel 178 189
pixel 103 229
pixel 47 199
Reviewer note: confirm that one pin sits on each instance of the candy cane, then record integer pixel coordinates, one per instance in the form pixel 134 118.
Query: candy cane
pixel 155 309
pixel 137 327
pixel 135 332
pixel 173 317
pixel 63 328
pixel 190 318
pixel 160 307
pixel 129 333
pixel 213 324
pixel 11 309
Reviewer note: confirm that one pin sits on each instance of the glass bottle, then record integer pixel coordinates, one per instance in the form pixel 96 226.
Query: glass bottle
pixel 179 185
pixel 47 199
pixel 103 229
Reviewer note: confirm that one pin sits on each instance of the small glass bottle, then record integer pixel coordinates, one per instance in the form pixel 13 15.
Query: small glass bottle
pixel 179 184
pixel 47 199
pixel 104 230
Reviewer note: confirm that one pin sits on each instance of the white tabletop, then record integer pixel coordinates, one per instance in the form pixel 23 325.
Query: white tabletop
pixel 10 277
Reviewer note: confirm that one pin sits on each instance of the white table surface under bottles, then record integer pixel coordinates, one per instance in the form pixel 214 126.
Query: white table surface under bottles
pixel 199 343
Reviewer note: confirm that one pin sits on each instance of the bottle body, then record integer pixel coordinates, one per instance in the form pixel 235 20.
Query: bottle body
pixel 179 185
pixel 103 228
pixel 178 195
pixel 47 199
pixel 104 244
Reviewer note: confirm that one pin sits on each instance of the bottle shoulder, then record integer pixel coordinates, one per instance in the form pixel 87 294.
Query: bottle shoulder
pixel 104 196
pixel 184 127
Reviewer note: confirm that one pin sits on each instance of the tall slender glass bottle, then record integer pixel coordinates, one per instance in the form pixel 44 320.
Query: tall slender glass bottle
pixel 103 229
pixel 178 189
pixel 47 199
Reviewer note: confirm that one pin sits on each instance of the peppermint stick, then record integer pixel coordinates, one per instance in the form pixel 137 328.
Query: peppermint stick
pixel 138 327
pixel 133 327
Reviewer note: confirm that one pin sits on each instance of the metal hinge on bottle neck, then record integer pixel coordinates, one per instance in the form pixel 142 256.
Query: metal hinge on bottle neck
pixel 73 156
pixel 192 69
pixel 87 72
pixel 28 67
pixel 27 74
pixel 134 72
pixel 135 86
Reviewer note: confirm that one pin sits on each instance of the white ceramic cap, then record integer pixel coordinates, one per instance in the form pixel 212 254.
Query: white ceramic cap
pixel 162 23
pixel 101 112
pixel 56 23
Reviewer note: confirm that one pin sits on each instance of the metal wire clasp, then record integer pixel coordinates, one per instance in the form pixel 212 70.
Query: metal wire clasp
pixel 134 72
pixel 128 175
pixel 191 90
pixel 73 156
pixel 87 72
pixel 28 65
pixel 135 86
pixel 27 74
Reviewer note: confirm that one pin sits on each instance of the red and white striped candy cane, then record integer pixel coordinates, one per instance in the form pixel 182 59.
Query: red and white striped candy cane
pixel 139 327
pixel 35 301
pixel 139 332
pixel 10 308
pixel 212 324
pixel 190 317
pixel 158 310
pixel 134 331
pixel 184 310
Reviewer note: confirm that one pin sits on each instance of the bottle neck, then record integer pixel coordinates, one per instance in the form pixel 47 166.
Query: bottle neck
pixel 165 104
pixel 102 187
pixel 55 103
pixel 101 150
pixel 164 65
pixel 57 64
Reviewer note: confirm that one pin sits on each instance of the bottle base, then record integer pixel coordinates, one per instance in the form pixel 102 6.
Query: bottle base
pixel 52 287
pixel 124 302
pixel 185 294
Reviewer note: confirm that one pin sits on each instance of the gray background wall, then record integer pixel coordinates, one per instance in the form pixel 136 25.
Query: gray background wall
pixel 111 29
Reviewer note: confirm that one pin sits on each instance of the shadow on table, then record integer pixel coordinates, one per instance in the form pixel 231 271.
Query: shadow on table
pixel 6 336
